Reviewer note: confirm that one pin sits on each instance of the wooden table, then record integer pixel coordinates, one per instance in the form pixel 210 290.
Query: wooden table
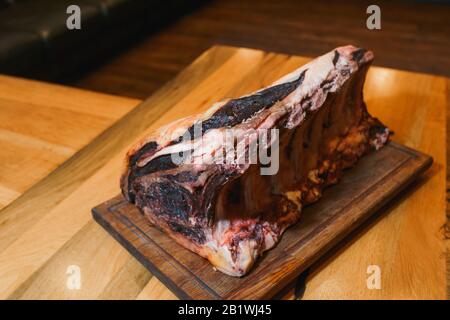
pixel 49 227
pixel 42 125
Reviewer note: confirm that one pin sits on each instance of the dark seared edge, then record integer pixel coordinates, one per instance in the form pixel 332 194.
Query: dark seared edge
pixel 358 55
pixel 230 114
pixel 336 57
pixel 236 111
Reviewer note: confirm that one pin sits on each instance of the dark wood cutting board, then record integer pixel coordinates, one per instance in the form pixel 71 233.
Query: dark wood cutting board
pixel 362 191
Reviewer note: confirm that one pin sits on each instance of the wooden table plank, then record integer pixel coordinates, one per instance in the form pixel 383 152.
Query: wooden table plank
pixel 447 226
pixel 407 243
pixel 42 125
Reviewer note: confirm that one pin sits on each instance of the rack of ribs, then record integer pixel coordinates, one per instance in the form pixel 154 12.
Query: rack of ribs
pixel 230 213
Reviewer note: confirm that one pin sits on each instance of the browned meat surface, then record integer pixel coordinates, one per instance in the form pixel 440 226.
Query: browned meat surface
pixel 230 213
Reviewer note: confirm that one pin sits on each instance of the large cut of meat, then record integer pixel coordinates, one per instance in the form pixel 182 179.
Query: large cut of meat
pixel 230 213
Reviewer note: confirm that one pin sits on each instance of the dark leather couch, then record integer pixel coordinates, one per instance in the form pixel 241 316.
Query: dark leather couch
pixel 35 41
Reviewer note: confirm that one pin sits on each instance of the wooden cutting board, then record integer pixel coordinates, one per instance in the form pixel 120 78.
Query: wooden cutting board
pixel 376 179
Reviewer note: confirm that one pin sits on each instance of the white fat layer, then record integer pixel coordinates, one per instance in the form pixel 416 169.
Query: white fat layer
pixel 248 251
pixel 317 71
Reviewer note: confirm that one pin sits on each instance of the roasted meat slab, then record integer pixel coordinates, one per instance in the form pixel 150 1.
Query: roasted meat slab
pixel 230 212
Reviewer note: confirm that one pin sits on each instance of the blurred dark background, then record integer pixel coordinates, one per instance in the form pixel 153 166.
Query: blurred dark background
pixel 131 47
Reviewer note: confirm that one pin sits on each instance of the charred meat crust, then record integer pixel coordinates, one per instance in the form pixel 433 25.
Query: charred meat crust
pixel 161 163
pixel 336 57
pixel 183 176
pixel 148 148
pixel 169 199
pixel 173 204
pixel 232 113
pixel 195 233
pixel 358 55
pixel 236 111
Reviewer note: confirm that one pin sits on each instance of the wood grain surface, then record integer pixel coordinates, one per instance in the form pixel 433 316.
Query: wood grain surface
pixel 50 227
pixel 378 178
pixel 42 125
